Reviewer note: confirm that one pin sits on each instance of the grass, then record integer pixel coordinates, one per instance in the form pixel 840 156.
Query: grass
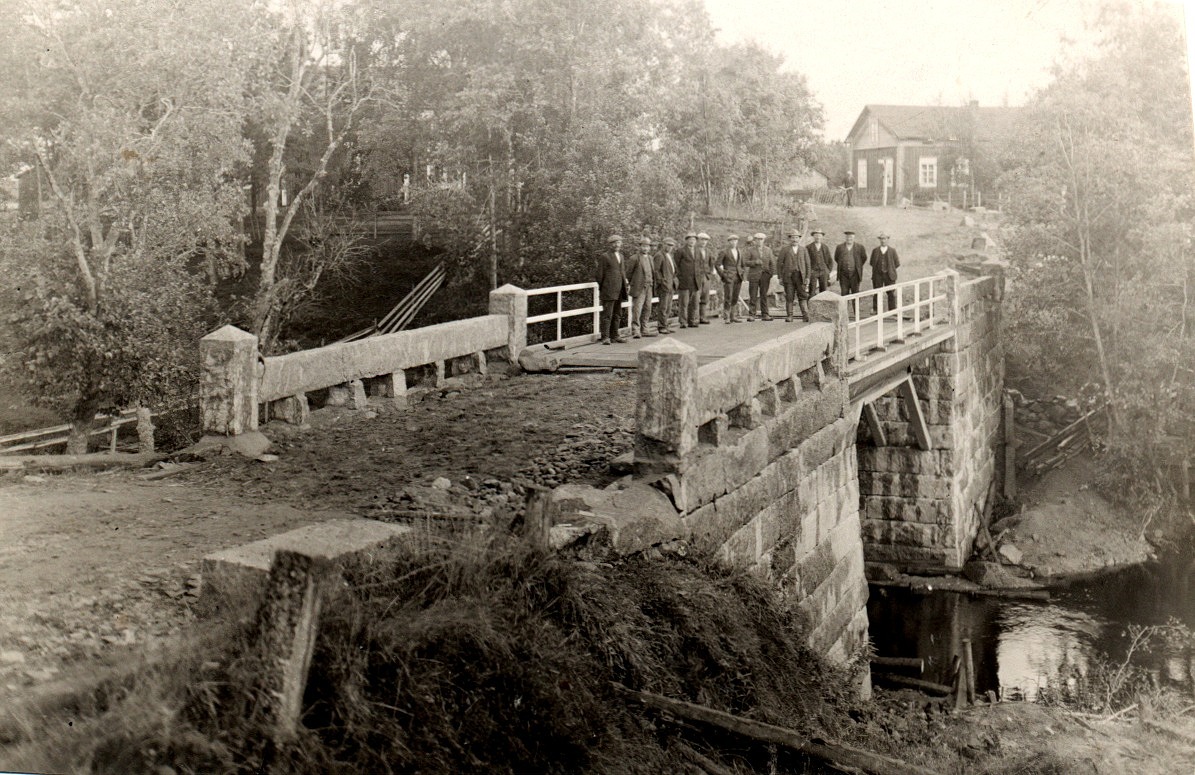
pixel 480 655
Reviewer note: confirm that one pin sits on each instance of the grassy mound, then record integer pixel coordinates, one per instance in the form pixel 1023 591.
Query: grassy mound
pixel 486 655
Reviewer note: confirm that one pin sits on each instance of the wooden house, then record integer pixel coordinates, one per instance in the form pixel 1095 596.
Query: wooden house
pixel 925 152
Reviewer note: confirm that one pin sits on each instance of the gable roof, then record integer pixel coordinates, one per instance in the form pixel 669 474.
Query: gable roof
pixel 936 122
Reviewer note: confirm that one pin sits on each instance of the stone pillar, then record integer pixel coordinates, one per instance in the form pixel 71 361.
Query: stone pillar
pixel 292 409
pixel 511 301
pixel 228 383
pixel 145 430
pixel 829 307
pixel 392 386
pixel 287 625
pixel 666 426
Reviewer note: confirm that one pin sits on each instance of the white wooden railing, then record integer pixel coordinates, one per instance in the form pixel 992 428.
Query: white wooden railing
pixel 52 436
pixel 920 306
pixel 594 309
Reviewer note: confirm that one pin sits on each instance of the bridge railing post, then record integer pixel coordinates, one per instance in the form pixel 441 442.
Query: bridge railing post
pixel 829 307
pixel 511 301
pixel 228 382
pixel 950 284
pixel 666 412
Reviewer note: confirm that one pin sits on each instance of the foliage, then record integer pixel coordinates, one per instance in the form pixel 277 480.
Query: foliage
pixel 138 152
pixel 482 653
pixel 1100 237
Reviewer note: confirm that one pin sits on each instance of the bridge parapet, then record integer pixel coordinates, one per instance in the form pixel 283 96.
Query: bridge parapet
pixel 236 378
pixel 758 453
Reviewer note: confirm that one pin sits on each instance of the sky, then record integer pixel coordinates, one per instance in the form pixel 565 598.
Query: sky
pixel 913 52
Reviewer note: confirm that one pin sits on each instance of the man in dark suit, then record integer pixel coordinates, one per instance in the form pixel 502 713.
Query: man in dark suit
pixel 730 269
pixel 663 272
pixel 794 276
pixel 642 285
pixel 688 281
pixel 612 289
pixel 884 262
pixel 850 257
pixel 819 263
pixel 707 276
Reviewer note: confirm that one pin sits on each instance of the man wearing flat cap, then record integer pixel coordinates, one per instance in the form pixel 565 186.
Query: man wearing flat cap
pixel 794 276
pixel 850 257
pixel 820 262
pixel 709 276
pixel 663 271
pixel 884 262
pixel 758 289
pixel 688 282
pixel 641 282
pixel 730 269
pixel 612 288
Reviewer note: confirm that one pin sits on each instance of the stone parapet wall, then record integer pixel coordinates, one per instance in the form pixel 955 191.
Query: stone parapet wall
pixel 758 452
pixel 236 378
pixel 922 507
pixel 309 370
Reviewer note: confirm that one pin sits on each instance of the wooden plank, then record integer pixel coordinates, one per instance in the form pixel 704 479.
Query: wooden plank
pixel 873 424
pixel 916 417
pixel 762 732
pixel 1010 448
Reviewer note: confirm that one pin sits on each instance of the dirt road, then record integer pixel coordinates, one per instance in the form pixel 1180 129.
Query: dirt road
pixel 95 564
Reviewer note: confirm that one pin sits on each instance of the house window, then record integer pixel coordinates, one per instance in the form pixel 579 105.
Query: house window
pixel 861 173
pixel 928 175
pixel 874 131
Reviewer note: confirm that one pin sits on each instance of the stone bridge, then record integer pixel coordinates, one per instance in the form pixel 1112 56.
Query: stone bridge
pixel 798 450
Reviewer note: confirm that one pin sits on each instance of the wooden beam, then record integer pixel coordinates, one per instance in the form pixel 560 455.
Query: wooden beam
pixel 836 753
pixel 916 417
pixel 873 423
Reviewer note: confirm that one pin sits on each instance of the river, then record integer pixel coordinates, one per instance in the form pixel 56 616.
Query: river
pixel 1018 646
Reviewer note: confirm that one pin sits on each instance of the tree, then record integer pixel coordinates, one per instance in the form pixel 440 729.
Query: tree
pixel 1101 214
pixel 136 128
pixel 308 85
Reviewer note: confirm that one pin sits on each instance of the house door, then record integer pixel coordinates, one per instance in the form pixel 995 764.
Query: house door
pixel 886 166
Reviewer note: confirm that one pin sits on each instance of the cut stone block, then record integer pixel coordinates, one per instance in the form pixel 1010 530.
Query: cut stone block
pixel 233 579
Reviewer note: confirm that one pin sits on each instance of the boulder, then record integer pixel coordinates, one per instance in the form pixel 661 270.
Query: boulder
pixel 1010 554
pixel 987 574
pixel 635 517
pixel 539 361
pixel 253 444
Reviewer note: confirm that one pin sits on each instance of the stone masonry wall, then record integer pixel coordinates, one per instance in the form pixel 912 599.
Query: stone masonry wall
pixel 921 507
pixel 759 453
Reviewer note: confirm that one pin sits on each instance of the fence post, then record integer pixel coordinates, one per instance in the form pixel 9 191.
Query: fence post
pixel 228 383
pixel 511 301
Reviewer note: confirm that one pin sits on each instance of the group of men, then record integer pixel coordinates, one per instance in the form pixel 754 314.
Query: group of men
pixel 693 270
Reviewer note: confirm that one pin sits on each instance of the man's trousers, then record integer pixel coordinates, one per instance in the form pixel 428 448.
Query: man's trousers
pixel 611 318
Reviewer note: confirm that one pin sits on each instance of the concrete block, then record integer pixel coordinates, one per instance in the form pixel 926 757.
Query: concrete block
pixel 906 485
pixel 233 579
pixel 924 510
pixel 720 471
pixel 810 413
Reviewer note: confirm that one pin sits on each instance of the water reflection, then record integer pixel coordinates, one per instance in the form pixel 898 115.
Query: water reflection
pixel 1017 646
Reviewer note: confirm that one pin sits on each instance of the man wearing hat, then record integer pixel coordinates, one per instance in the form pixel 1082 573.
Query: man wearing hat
pixel 640 279
pixel 688 281
pixel 794 276
pixel 884 262
pixel 663 271
pixel 757 289
pixel 850 257
pixel 730 269
pixel 612 289
pixel 705 266
pixel 819 263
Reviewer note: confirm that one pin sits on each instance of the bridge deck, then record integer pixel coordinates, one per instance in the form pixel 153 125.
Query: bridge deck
pixel 718 340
